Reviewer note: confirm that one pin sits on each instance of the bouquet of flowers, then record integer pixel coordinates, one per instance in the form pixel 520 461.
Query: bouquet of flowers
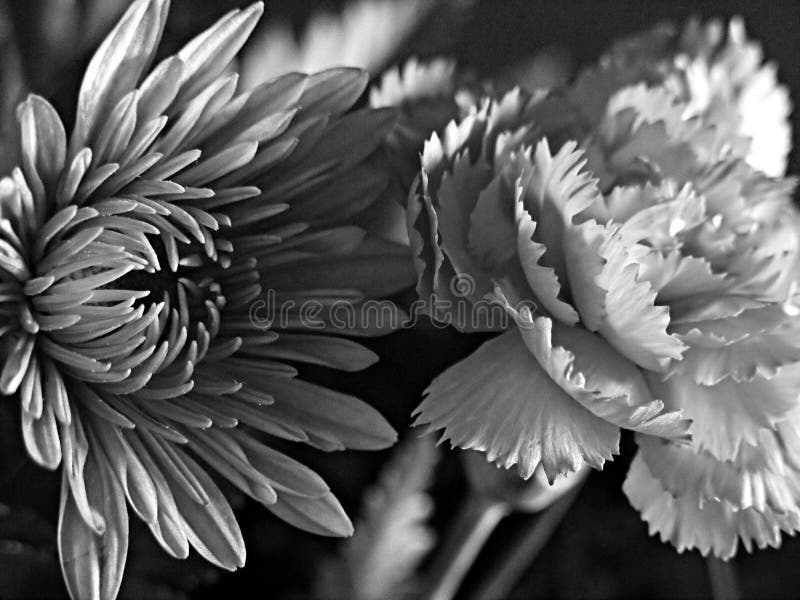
pixel 179 260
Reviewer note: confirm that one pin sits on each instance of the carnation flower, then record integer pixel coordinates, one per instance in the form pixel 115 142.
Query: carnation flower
pixel 506 222
pixel 719 79
pixel 131 255
pixel 650 271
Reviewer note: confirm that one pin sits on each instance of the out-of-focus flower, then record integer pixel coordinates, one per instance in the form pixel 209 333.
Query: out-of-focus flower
pixel 664 288
pixel 427 95
pixel 132 254
pixel 392 536
pixel 366 34
pixel 12 82
pixel 720 79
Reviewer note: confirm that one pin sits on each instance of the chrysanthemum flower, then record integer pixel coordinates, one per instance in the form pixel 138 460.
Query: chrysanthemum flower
pixel 131 255
pixel 663 288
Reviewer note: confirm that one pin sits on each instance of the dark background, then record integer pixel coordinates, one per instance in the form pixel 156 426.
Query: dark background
pixel 601 549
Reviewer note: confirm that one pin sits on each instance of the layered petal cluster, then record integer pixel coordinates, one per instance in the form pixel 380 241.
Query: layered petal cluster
pixel 649 269
pixel 716 71
pixel 425 98
pixel 156 266
pixel 495 218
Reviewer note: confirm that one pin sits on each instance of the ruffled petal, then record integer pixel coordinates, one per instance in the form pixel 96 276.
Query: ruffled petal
pixel 759 477
pixel 675 276
pixel 558 189
pixel 661 225
pixel 600 379
pixel 499 400
pixel 491 233
pixel 713 527
pixel 458 195
pixel 542 279
pixel 754 355
pixel 613 301
pixel 728 414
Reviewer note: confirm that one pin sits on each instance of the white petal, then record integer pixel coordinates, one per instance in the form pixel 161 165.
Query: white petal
pixel 715 527
pixel 729 413
pixel 599 378
pixel 500 400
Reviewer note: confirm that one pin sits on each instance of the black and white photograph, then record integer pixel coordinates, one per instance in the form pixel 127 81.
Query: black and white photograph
pixel 399 299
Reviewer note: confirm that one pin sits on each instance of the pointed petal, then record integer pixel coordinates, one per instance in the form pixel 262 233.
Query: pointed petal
pixel 344 420
pixel 116 67
pixel 207 55
pixel 542 279
pixel 322 515
pixel 41 438
pixel 211 529
pixel 44 143
pixel 93 564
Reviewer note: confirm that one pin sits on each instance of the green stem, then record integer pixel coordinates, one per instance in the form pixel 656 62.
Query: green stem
pixel 522 554
pixel 722 577
pixel 476 520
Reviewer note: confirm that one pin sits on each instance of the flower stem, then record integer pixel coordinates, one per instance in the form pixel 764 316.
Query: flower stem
pixel 473 525
pixel 722 576
pixel 520 556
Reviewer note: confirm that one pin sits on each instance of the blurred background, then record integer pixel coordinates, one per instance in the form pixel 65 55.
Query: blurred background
pixel 601 549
